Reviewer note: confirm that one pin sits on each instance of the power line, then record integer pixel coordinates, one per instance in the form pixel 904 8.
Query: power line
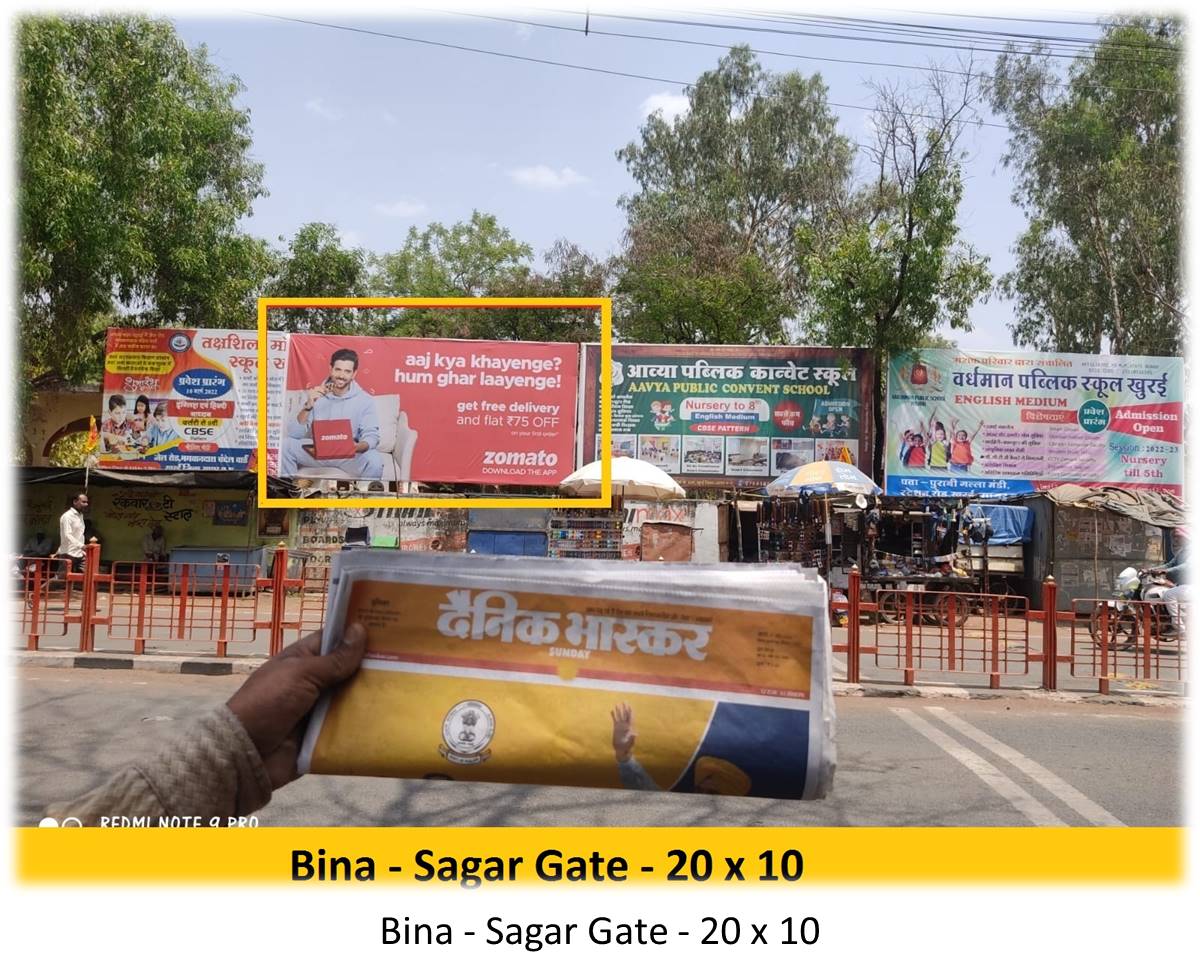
pixel 556 64
pixel 762 51
pixel 463 47
pixel 1094 18
pixel 853 37
pixel 970 34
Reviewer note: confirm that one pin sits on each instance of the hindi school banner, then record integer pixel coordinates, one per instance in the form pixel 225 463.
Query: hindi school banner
pixel 581 673
pixel 963 423
pixel 185 399
pixel 733 416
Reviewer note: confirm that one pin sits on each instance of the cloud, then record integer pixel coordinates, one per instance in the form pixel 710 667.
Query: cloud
pixel 543 178
pixel 670 104
pixel 402 208
pixel 387 118
pixel 319 107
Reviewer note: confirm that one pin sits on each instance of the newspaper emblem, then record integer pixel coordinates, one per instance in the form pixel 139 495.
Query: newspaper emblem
pixel 466 732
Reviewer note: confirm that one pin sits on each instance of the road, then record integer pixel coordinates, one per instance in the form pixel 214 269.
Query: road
pixel 1006 761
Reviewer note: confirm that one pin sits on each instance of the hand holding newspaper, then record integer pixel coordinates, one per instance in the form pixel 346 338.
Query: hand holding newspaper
pixel 581 673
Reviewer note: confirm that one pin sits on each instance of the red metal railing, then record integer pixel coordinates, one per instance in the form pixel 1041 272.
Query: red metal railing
pixel 45 589
pixel 1119 640
pixel 211 603
pixel 955 633
pixel 910 633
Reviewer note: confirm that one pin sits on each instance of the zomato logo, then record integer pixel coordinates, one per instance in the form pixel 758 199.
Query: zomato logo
pixel 493 458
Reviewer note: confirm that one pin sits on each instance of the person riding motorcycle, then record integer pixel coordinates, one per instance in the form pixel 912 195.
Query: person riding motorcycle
pixel 1178 572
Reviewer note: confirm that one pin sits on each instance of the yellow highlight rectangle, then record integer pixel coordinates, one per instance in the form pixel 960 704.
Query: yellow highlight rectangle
pixel 831 855
pixel 604 304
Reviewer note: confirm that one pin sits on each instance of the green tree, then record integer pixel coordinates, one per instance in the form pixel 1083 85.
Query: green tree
pixel 133 170
pixel 479 258
pixel 568 271
pixel 1099 175
pixel 892 268
pixel 468 258
pixel 317 264
pixel 722 191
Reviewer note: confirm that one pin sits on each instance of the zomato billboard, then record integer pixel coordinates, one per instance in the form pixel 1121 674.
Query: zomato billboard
pixel 447 411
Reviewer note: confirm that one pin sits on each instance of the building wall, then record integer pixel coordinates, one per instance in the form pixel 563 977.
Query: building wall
pixel 51 411
pixel 700 515
pixel 122 515
pixel 321 531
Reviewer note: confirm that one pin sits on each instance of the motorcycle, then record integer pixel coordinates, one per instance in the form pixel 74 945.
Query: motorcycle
pixel 1137 604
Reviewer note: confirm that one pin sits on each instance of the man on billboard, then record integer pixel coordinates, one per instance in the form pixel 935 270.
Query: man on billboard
pixel 337 426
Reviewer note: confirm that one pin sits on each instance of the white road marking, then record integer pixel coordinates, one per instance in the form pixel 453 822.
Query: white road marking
pixel 999 783
pixel 1090 810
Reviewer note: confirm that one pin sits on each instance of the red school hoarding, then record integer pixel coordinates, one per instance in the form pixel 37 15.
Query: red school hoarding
pixel 444 411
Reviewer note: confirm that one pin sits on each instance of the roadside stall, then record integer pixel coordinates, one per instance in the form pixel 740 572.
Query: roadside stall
pixel 579 533
pixel 998 536
pixel 916 544
pixel 813 516
pixel 1085 537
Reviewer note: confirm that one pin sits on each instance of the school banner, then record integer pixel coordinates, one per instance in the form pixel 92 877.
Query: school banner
pixel 733 416
pixel 398 409
pixel 577 673
pixel 183 399
pixel 963 423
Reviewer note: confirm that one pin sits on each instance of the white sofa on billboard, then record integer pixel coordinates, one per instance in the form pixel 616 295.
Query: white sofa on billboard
pixel 396 441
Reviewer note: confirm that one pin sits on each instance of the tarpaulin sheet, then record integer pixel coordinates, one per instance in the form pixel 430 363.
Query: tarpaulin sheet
pixel 1159 509
pixel 1010 525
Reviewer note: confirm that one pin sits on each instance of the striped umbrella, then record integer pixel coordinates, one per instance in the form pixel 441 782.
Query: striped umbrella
pixel 822 478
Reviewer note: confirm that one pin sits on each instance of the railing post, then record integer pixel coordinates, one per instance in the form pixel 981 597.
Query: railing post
pixel 951 624
pixel 223 638
pixel 1147 641
pixel 993 607
pixel 278 599
pixel 87 612
pixel 143 587
pixel 1049 634
pixel 1104 638
pixel 854 624
pixel 910 674
pixel 184 584
pixel 34 602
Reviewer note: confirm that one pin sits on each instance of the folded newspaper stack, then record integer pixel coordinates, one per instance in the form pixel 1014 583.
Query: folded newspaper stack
pixel 564 672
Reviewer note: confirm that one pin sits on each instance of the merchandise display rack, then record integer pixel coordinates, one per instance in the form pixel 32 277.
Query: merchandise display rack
pixel 592 536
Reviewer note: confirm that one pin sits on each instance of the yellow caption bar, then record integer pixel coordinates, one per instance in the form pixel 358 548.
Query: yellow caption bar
pixel 486 857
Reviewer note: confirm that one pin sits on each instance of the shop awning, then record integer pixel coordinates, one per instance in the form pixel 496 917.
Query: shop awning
pixel 1149 507
pixel 29 475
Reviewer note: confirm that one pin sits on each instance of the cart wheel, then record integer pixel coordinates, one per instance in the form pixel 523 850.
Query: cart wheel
pixel 890 603
pixel 941 609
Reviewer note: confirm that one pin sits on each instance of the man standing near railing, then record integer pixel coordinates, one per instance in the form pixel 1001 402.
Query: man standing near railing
pixel 71 532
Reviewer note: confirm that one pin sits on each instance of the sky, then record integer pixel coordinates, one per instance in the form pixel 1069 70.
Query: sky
pixel 374 134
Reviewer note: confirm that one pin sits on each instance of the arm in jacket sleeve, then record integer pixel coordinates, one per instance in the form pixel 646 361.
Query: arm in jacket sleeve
pixel 227 763
pixel 209 769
